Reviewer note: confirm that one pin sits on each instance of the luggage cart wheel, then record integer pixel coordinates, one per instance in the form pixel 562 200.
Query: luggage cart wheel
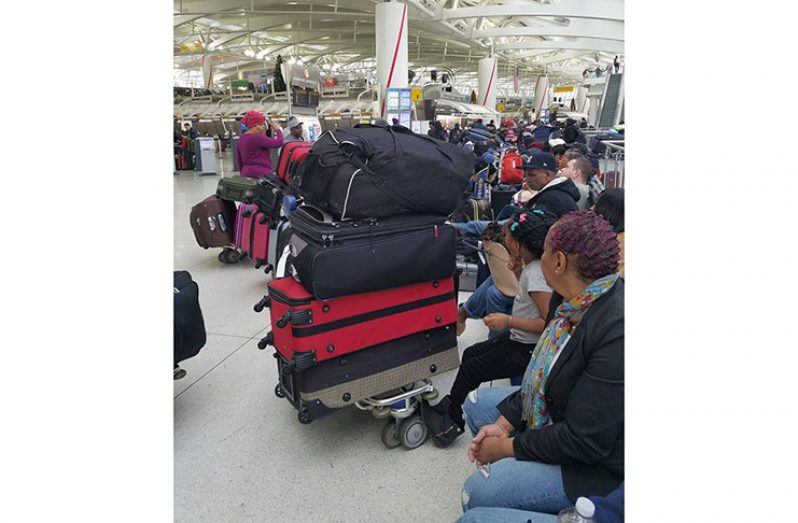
pixel 390 434
pixel 279 392
pixel 304 416
pixel 431 395
pixel 412 432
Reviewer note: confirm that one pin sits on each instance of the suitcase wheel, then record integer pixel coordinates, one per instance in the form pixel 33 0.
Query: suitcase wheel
pixel 258 263
pixel 268 268
pixel 266 341
pixel 264 303
pixel 304 416
pixel 413 432
pixel 390 434
pixel 229 256
pixel 278 391
pixel 242 256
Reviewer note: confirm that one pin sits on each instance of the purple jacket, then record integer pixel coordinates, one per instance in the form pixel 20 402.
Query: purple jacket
pixel 254 154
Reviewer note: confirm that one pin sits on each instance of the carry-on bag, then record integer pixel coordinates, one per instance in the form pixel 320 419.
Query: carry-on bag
pixel 373 172
pixel 292 155
pixel 212 221
pixel 189 326
pixel 254 239
pixel 268 196
pixel 333 258
pixel 511 172
pixel 477 209
pixel 236 188
pixel 307 330
pixel 335 383
pixel 499 197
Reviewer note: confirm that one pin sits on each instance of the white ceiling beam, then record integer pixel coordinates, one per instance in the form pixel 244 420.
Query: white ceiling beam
pixel 586 44
pixel 185 19
pixel 582 28
pixel 598 9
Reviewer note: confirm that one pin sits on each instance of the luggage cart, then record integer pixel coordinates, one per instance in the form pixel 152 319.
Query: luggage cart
pixel 404 426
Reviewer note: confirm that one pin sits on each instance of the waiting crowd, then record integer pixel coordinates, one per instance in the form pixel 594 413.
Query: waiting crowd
pixel 552 296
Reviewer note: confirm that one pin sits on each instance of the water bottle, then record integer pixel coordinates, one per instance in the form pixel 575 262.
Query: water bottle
pixel 581 513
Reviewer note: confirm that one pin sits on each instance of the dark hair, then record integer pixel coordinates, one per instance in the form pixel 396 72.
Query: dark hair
pixel 609 205
pixel 591 239
pixel 580 147
pixel 558 150
pixel 531 232
pixel 584 166
pixel 572 154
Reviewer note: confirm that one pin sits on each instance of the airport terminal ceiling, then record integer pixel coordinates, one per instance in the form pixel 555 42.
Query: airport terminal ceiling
pixel 561 38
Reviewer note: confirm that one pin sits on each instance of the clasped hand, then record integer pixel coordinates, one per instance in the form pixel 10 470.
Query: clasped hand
pixel 497 321
pixel 491 443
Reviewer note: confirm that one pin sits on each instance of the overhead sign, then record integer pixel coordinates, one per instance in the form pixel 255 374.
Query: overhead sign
pixel 564 89
pixel 417 94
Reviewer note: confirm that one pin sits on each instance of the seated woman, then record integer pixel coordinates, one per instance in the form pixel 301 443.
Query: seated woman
pixel 560 435
pixel 506 355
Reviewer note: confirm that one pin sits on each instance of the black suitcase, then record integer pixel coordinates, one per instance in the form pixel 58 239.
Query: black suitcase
pixel 189 326
pixel 266 192
pixel 501 197
pixel 371 172
pixel 334 259
pixel 332 384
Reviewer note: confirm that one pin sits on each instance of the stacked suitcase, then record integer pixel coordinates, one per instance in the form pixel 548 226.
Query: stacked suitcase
pixel 372 302
pixel 257 228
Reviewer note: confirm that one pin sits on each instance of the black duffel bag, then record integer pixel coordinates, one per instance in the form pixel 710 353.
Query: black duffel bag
pixel 373 172
pixel 189 326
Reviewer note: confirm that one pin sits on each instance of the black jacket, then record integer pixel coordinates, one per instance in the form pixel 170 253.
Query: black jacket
pixel 584 393
pixel 559 199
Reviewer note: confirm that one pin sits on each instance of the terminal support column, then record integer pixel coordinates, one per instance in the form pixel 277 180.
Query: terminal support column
pixel 487 80
pixel 391 35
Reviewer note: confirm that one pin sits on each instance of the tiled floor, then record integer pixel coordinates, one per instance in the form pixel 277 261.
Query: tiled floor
pixel 239 452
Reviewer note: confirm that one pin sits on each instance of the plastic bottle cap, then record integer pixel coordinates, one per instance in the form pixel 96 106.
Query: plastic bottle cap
pixel 585 507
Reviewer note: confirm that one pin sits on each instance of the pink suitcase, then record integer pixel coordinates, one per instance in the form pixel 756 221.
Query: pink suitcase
pixel 260 239
pixel 252 234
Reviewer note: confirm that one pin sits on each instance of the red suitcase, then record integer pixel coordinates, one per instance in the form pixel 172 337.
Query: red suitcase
pixel 292 155
pixel 307 331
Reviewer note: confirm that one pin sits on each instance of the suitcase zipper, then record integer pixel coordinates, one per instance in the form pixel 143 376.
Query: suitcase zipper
pixel 327 239
pixel 304 332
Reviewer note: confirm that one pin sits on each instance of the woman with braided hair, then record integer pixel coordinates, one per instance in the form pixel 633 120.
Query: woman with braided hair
pixel 506 355
pixel 558 436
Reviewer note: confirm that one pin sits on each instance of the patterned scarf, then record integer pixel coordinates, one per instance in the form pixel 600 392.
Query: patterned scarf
pixel 553 339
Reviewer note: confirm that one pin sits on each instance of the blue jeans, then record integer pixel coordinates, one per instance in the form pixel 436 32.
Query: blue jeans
pixel 512 484
pixel 505 515
pixel 473 229
pixel 487 299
